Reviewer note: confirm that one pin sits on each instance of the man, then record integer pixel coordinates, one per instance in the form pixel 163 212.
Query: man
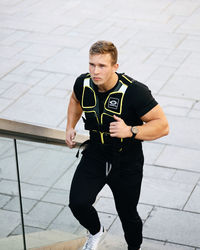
pixel 119 113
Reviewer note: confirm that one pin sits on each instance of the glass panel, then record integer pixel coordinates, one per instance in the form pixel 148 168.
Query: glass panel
pixel 46 173
pixel 10 219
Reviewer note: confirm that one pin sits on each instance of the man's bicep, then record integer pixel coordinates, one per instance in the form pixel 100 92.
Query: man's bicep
pixel 73 96
pixel 154 114
pixel 74 105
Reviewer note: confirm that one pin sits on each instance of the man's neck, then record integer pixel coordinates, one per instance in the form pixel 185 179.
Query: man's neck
pixel 109 85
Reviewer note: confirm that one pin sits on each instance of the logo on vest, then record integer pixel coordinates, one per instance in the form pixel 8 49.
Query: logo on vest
pixel 113 103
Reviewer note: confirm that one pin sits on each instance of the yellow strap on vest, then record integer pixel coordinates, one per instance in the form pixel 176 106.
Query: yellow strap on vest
pixel 86 84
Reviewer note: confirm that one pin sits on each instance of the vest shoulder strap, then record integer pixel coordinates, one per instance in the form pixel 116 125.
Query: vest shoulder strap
pixel 126 79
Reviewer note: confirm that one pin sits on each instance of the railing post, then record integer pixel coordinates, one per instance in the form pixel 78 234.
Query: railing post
pixel 20 195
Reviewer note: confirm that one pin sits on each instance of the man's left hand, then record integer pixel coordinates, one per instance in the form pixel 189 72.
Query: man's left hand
pixel 119 129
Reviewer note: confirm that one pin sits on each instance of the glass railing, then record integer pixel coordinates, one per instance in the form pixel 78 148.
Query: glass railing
pixel 10 217
pixel 36 169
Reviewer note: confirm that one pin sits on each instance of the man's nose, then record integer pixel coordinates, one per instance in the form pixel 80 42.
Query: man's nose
pixel 96 70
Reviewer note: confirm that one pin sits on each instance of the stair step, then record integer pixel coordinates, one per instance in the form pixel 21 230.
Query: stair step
pixel 39 240
pixel 69 245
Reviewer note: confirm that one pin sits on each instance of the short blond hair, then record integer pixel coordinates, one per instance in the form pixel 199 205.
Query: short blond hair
pixel 104 47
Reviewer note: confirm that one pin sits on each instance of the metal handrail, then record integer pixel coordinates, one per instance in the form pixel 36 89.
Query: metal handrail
pixel 30 132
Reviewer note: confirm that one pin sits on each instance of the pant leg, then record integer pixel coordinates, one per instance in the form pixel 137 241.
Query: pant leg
pixel 125 184
pixel 88 180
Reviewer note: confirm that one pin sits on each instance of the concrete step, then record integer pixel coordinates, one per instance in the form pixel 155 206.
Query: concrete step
pixel 44 240
pixel 68 245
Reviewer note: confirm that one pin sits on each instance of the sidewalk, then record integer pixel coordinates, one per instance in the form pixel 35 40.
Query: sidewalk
pixel 44 46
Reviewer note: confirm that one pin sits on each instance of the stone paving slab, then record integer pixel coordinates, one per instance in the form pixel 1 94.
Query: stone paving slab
pixel 36 174
pixel 45 110
pixel 9 221
pixel 155 172
pixel 193 203
pixel 38 216
pixel 64 63
pixel 178 86
pixel 185 177
pixel 165 193
pixel 106 192
pixel 8 65
pixel 144 14
pixel 179 158
pixel 181 134
pixel 65 221
pixel 4 103
pixel 175 58
pixel 4 199
pixel 140 71
pixel 6 147
pixel 177 111
pixel 57 196
pixel 25 68
pixel 67 83
pixel 28 191
pixel 112 242
pixel 156 245
pixel 18 230
pixel 116 229
pixel 65 181
pixel 13 205
pixel 159 226
pixel 194 114
pixel 197 105
pixel 107 205
pixel 33 163
pixel 151 151
pixel 51 80
pixel 191 25
pixel 170 101
pixel 159 77
pixel 15 91
pixel 107 219
pixel 23 79
pixel 189 67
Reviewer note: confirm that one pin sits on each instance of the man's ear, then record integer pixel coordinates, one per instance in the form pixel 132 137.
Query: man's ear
pixel 116 66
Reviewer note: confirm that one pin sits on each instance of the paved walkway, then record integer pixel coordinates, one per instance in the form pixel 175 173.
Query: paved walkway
pixel 44 46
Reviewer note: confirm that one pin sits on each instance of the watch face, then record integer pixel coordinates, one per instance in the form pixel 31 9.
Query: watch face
pixel 134 130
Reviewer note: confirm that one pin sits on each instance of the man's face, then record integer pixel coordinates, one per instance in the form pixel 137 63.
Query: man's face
pixel 101 68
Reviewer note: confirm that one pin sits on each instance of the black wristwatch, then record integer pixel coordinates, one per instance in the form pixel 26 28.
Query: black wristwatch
pixel 134 131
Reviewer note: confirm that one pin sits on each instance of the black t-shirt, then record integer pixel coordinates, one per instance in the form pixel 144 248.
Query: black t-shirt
pixel 138 100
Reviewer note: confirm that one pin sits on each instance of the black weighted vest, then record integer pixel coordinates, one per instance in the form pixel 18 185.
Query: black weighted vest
pixel 96 123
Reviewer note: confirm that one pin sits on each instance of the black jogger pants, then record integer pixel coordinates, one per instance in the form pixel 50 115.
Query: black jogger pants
pixel 92 173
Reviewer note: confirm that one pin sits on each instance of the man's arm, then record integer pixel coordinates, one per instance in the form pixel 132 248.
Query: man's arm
pixel 155 126
pixel 73 115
